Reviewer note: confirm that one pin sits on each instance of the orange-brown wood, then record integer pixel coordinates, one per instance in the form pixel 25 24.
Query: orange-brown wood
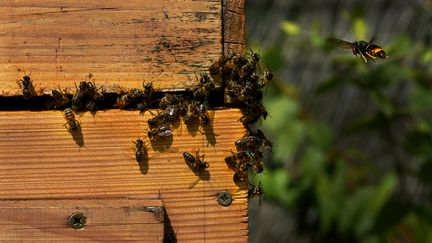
pixel 106 220
pixel 234 28
pixel 40 159
pixel 123 43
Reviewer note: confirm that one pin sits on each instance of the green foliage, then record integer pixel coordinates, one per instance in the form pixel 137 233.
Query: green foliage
pixel 290 28
pixel 311 170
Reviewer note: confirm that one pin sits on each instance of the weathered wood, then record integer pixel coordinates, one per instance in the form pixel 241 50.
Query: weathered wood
pixel 234 27
pixel 106 220
pixel 40 159
pixel 123 43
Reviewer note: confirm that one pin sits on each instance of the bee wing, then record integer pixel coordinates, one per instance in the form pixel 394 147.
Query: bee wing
pixel 340 43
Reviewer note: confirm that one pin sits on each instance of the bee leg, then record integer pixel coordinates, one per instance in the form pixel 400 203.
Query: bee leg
pixel 19 83
pixel 364 58
pixel 66 125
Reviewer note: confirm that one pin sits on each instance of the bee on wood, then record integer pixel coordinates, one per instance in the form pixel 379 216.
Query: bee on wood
pixel 91 106
pixel 266 143
pixel 142 107
pixel 71 123
pixel 239 162
pixel 93 91
pixel 79 96
pixel 231 161
pixel 130 97
pixel 203 114
pixel 248 142
pixel 140 150
pixel 192 112
pixel 170 99
pixel 156 120
pixel 60 99
pixel 196 163
pixel 26 85
pixel 148 91
pixel 202 92
pixel 159 132
pixel 253 112
pixel 366 50
pixel 256 158
pixel 256 191
pixel 207 85
pixel 172 113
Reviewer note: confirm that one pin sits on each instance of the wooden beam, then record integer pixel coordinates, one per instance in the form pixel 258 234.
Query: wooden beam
pixel 40 159
pixel 234 26
pixel 105 220
pixel 123 43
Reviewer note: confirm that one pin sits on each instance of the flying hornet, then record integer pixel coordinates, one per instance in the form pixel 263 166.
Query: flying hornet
pixel 367 50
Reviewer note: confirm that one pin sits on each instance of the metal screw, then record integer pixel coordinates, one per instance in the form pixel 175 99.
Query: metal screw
pixel 224 198
pixel 77 220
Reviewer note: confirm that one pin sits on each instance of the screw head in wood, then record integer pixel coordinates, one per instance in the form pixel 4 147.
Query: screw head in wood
pixel 77 220
pixel 224 198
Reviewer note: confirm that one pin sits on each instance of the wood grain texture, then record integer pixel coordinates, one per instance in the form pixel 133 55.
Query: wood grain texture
pixel 234 26
pixel 106 220
pixel 40 159
pixel 122 43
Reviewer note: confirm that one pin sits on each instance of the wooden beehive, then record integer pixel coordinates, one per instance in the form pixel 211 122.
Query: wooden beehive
pixel 46 174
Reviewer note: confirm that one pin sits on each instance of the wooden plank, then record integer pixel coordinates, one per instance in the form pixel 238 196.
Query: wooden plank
pixel 234 26
pixel 40 159
pixel 122 43
pixel 106 220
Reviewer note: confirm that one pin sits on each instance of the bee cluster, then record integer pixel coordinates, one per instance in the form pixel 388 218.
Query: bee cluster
pixel 174 106
pixel 243 81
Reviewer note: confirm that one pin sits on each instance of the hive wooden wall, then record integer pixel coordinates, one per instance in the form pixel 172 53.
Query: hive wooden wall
pixel 122 43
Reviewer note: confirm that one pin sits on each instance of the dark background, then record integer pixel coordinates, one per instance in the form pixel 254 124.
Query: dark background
pixel 352 159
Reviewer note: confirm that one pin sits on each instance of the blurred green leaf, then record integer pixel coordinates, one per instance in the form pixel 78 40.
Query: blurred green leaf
pixel 290 28
pixel 360 29
pixel 273 58
pixel 275 184
pixel 383 102
pixel 328 85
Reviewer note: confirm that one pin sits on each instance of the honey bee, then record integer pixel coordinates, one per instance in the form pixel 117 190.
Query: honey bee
pixel 148 90
pixel 60 99
pixel 367 50
pixel 267 144
pixel 248 142
pixel 172 113
pixel 140 150
pixel 196 163
pixel 255 191
pixel 159 132
pixel 231 161
pixel 256 158
pixel 265 79
pixel 93 91
pixel 203 114
pixel 192 112
pixel 129 98
pixel 78 97
pixel 71 123
pixel 142 107
pixel 26 85
pixel 91 106
pixel 170 99
pixel 207 85
pixel 253 112
pixel 239 162
pixel 156 120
